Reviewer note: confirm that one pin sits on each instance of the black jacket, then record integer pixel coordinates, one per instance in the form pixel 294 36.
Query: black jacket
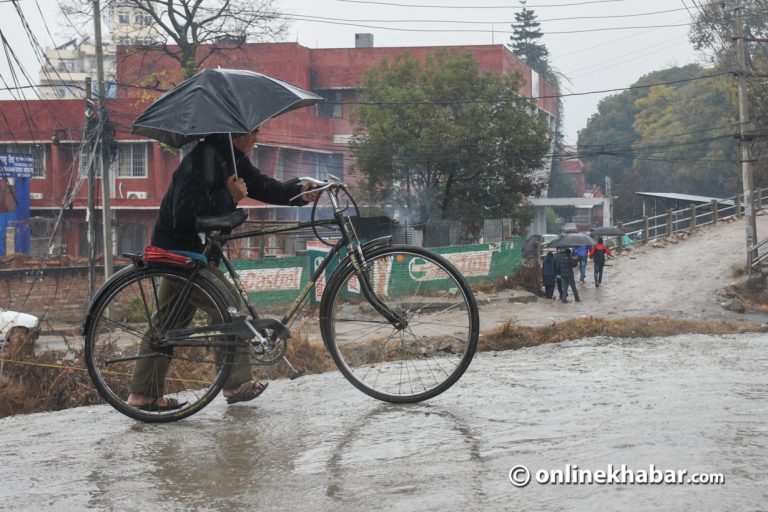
pixel 548 265
pixel 198 187
pixel 564 264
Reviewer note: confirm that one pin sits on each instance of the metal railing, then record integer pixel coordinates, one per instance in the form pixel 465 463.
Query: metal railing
pixel 688 219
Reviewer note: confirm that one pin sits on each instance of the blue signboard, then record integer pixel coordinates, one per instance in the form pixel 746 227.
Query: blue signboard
pixel 19 167
pixel 16 165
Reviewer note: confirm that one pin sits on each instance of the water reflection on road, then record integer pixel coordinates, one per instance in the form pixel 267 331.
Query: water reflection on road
pixel 691 402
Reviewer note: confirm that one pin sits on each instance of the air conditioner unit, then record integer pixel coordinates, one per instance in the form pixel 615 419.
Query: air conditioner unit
pixel 35 195
pixel 136 195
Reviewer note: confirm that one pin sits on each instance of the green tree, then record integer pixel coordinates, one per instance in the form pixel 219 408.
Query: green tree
pixel 683 142
pixel 713 31
pixel 526 45
pixel 526 33
pixel 610 143
pixel 446 140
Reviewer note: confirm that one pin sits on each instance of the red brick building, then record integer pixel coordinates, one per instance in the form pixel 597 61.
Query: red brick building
pixel 311 141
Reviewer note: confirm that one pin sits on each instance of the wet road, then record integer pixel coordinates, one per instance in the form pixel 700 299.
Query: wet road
pixel 696 403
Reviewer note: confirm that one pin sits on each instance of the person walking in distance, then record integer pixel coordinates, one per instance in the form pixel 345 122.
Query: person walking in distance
pixel 597 254
pixel 548 274
pixel 583 252
pixel 564 264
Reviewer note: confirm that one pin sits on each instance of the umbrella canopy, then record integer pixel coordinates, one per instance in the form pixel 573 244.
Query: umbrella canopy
pixel 572 240
pixel 219 101
pixel 607 231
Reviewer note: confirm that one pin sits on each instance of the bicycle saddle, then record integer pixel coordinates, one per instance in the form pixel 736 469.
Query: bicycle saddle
pixel 208 223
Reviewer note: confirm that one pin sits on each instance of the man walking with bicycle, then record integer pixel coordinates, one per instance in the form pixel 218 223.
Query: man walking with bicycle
pixel 205 183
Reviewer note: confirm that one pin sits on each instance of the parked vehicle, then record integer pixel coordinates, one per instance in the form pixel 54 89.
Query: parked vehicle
pixel 531 241
pixel 10 320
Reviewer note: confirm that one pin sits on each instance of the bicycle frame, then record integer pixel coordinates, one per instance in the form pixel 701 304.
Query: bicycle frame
pixel 348 239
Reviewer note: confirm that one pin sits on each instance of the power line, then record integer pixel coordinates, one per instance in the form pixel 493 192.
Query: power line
pixel 622 60
pixel 534 98
pixel 307 17
pixel 392 4
pixel 472 31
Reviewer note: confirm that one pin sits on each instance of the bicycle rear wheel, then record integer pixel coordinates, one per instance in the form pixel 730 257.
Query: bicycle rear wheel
pixel 418 361
pixel 125 322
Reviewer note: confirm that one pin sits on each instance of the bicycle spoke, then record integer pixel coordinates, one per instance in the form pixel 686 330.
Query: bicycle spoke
pixel 123 359
pixel 430 353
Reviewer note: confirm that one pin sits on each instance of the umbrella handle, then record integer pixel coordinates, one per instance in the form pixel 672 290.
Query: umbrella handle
pixel 232 149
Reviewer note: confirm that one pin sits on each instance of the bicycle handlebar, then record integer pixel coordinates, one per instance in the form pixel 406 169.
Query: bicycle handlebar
pixel 330 181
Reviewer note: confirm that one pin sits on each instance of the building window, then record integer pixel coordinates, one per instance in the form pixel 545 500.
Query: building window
pixel 84 160
pixel 36 150
pixel 330 164
pixel 142 20
pixel 123 18
pixel 66 65
pixel 331 106
pixel 131 237
pixel 38 160
pixel 132 160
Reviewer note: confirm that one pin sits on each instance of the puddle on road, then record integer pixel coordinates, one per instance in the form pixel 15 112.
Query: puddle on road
pixel 688 402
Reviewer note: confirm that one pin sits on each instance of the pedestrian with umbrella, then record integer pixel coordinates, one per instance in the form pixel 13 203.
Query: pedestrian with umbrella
pixel 597 254
pixel 222 111
pixel 564 261
pixel 564 264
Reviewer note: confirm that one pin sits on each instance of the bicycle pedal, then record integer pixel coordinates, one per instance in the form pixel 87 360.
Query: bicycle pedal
pixel 298 373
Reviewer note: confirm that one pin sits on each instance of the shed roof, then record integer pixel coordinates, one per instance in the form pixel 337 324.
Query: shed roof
pixel 685 198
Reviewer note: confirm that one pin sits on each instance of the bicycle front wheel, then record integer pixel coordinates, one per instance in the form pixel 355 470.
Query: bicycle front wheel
pixel 419 360
pixel 127 321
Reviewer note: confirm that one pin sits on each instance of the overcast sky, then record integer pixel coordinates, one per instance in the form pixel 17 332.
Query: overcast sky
pixel 589 41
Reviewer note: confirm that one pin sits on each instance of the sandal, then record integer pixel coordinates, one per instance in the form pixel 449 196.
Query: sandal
pixel 171 404
pixel 247 391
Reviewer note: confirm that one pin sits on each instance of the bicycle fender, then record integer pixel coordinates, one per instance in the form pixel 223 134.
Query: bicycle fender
pixel 120 274
pixel 123 273
pixel 375 244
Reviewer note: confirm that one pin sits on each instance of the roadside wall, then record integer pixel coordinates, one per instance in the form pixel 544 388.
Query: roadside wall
pixel 61 294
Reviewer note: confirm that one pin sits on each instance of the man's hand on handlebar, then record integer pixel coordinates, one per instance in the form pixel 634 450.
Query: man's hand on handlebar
pixel 310 197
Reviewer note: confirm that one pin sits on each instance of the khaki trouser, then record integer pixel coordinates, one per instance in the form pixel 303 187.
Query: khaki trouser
pixel 149 374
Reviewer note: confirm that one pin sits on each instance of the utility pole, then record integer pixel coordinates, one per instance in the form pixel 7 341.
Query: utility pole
pixel 746 159
pixel 90 113
pixel 105 180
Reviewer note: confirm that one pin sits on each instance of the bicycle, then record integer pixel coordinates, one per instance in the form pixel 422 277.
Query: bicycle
pixel 400 322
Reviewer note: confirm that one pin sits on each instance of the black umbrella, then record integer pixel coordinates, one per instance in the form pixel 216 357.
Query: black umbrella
pixel 219 100
pixel 231 101
pixel 607 231
pixel 572 240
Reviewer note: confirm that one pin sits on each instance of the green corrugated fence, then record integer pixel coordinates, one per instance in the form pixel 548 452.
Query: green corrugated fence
pixel 279 280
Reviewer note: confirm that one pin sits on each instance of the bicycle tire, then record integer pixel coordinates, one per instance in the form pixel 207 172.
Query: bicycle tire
pixel 121 318
pixel 414 363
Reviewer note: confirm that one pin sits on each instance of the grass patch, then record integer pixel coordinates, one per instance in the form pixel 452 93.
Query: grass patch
pixel 510 336
pixel 49 383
